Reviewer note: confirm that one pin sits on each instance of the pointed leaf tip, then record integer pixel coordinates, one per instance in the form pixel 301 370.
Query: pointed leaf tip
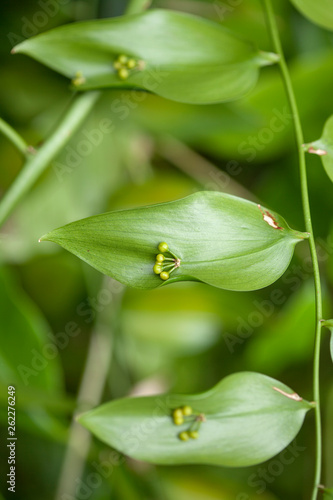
pixel 267 58
pixel 329 324
pixel 323 147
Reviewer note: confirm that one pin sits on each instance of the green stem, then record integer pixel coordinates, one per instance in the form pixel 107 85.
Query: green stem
pixel 14 138
pixel 136 6
pixel 272 27
pixel 37 163
pixel 90 394
pixel 100 352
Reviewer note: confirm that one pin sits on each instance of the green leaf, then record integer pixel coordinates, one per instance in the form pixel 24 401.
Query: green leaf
pixel 178 56
pixel 220 239
pixel 329 325
pixel 328 494
pixel 324 147
pixel 249 418
pixel 26 364
pixel 22 359
pixel 319 12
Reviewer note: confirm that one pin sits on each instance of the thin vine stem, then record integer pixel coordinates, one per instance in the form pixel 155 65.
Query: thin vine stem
pixel 273 31
pixel 14 137
pixel 37 163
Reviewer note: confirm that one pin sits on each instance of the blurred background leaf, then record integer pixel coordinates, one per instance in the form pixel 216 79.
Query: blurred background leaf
pixel 319 12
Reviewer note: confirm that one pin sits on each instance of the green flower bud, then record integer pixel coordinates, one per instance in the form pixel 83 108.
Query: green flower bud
pixel 123 74
pixel 177 413
pixel 164 275
pixel 163 247
pixel 160 257
pixel 122 59
pixel 157 268
pixel 187 410
pixel 131 63
pixel 184 436
pixel 178 420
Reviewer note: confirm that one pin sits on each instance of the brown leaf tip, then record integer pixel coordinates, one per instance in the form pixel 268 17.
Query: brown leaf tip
pixel 319 152
pixel 294 396
pixel 268 217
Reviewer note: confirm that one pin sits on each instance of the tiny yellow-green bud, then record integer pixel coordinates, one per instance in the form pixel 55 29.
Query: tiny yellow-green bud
pixel 194 434
pixel 163 247
pixel 160 257
pixel 164 276
pixel 178 420
pixel 177 413
pixel 187 410
pixel 157 268
pixel 131 63
pixel 122 59
pixel 79 79
pixel 117 65
pixel 123 74
pixel 184 436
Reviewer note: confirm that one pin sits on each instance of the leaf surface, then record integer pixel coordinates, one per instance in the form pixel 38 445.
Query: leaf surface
pixel 328 494
pixel 221 240
pixel 249 418
pixel 319 12
pixel 179 56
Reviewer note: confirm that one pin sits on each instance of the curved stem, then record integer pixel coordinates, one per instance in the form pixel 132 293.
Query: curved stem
pixel 14 137
pixel 272 27
pixel 37 163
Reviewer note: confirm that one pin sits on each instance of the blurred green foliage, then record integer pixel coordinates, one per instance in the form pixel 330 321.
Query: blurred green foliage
pixel 183 338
